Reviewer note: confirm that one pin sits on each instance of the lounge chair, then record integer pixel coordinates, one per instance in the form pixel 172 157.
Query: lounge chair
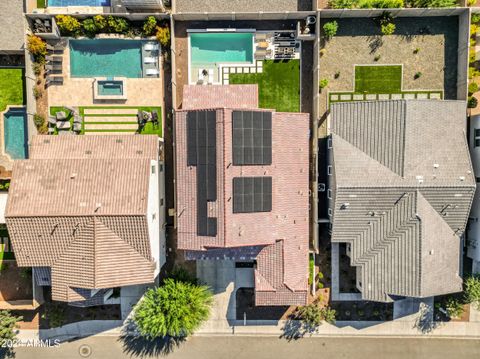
pixel 51 130
pixel 151 72
pixel 53 67
pixel 56 48
pixel 150 60
pixel 52 120
pixel 76 118
pixel 260 55
pixel 151 46
pixel 54 58
pixel 54 80
pixel 77 127
pixel 63 125
pixel 61 116
pixel 260 36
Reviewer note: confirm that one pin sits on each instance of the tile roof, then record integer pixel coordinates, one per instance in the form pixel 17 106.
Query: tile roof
pixel 284 229
pixel 11 18
pixel 197 97
pixel 83 217
pixel 403 187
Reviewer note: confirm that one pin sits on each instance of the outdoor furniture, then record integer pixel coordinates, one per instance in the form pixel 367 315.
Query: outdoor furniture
pixel 54 80
pixel 63 125
pixel 52 120
pixel 54 67
pixel 259 36
pixel 260 55
pixel 54 58
pixel 57 48
pixel 151 46
pixel 77 126
pixel 151 72
pixel 76 118
pixel 51 130
pixel 155 118
pixel 210 76
pixel 262 45
pixel 150 60
pixel 61 116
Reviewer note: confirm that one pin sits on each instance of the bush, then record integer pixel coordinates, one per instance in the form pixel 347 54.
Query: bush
pixel 388 29
pixel 417 75
pixel 472 284
pixel 163 35
pixel 68 25
pixel 312 315
pixel 328 315
pixel 454 308
pixel 381 4
pixel 37 68
pixel 38 120
pixel 89 26
pixel 37 47
pixel 471 2
pixel 432 3
pixel 472 88
pixel 416 51
pixel 117 24
pixel 472 103
pixel 100 22
pixel 8 323
pixel 473 72
pixel 36 92
pixel 150 25
pixel 174 309
pixel 342 4
pixel 475 18
pixel 323 83
pixel 330 29
pixel 376 58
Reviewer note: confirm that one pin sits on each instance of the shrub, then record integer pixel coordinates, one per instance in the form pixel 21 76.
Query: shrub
pixel 471 2
pixel 328 315
pixel 68 25
pixel 310 315
pixel 37 68
pixel 36 92
pixel 416 51
pixel 26 272
pixel 417 75
pixel 337 75
pixel 330 29
pixel 432 3
pixel 55 315
pixel 376 58
pixel 380 4
pixel 472 88
pixel 117 24
pixel 472 103
pixel 100 22
pixel 163 35
pixel 37 47
pixel 342 4
pixel 323 83
pixel 320 275
pixel 322 52
pixel 8 324
pixel 89 26
pixel 150 25
pixel 388 29
pixel 454 308
pixel 174 309
pixel 473 72
pixel 475 18
pixel 38 120
pixel 472 284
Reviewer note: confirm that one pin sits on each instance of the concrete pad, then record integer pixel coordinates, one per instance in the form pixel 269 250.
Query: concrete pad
pixel 110 111
pixel 132 127
pixel 108 133
pixel 129 296
pixel 411 308
pixel 244 278
pixel 88 119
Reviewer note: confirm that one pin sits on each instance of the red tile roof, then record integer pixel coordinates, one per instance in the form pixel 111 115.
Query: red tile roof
pixel 197 97
pixel 282 271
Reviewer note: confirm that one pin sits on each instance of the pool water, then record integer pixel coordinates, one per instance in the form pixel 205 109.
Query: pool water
pixel 110 88
pixel 78 3
pixel 106 58
pixel 15 133
pixel 221 47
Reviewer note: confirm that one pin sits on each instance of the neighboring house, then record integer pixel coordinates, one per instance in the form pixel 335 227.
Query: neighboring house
pixel 473 229
pixel 402 185
pixel 12 36
pixel 85 212
pixel 242 187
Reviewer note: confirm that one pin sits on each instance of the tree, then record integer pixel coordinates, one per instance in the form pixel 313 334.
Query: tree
pixel 175 309
pixel 328 315
pixel 89 26
pixel 8 323
pixel 100 22
pixel 472 88
pixel 472 283
pixel 150 25
pixel 67 24
pixel 330 29
pixel 388 29
pixel 163 35
pixel 472 103
pixel 37 47
pixel 311 315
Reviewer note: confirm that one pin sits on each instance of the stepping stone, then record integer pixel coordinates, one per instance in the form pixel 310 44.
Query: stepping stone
pixel 95 133
pixel 226 70
pixel 252 70
pixel 259 70
pixel 371 96
pixel 383 96
pixel 409 96
pixel 435 96
pixel 233 70
pixel 88 119
pixel 396 96
pixel 107 111
pixel 89 126
pixel 345 97
pixel 422 96
pixel 334 98
pixel 239 70
pixel 358 97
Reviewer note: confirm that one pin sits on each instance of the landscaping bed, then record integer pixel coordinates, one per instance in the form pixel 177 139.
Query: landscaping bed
pixel 363 311
pixel 15 282
pixel 245 298
pixel 278 84
pixel 451 303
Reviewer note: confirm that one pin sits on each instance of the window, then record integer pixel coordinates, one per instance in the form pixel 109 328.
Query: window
pixel 329 170
pixel 153 170
pixel 329 143
pixel 477 137
pixel 330 212
pixel 329 194
pixel 252 194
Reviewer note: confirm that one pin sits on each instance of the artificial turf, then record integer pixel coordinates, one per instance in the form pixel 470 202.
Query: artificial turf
pixel 11 87
pixel 378 79
pixel 278 84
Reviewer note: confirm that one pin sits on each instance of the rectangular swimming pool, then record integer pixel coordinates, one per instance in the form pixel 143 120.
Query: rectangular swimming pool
pixel 62 3
pixel 15 132
pixel 110 88
pixel 106 58
pixel 221 47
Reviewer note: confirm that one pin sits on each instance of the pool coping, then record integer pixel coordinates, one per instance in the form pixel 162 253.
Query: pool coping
pixel 2 130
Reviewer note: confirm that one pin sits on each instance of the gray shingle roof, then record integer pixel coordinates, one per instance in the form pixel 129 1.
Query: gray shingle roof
pixel 12 36
pixel 403 186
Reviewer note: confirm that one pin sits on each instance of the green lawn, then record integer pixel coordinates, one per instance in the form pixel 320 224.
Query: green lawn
pixel 278 84
pixel 41 4
pixel 378 79
pixel 11 87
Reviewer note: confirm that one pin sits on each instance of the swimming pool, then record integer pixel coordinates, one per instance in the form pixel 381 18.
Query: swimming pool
pixel 110 88
pixel 78 3
pixel 221 47
pixel 15 132
pixel 106 58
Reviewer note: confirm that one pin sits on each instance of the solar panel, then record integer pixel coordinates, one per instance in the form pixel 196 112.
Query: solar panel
pixel 202 153
pixel 252 138
pixel 252 194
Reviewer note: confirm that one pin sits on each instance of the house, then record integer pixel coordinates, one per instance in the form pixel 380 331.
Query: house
pixel 85 212
pixel 242 187
pixel 401 188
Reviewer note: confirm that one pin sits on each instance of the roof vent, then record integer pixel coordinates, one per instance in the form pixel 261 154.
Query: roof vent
pixel 97 206
pixel 46 141
pixel 462 178
pixel 88 152
pixel 431 252
pixel 139 152
pixel 73 175
pixel 436 165
pixel 345 205
pixel 119 140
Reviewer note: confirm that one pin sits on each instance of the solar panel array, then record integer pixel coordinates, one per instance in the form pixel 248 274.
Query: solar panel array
pixel 252 138
pixel 202 153
pixel 252 194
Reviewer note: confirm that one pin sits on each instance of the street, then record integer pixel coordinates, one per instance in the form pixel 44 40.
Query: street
pixel 243 347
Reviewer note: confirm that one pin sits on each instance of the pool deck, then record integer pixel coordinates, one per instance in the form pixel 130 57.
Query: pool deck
pixel 79 91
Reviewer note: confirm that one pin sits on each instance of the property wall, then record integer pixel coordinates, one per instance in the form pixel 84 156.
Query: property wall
pixel 243 16
pixel 473 229
pixel 153 215
pixel 463 46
